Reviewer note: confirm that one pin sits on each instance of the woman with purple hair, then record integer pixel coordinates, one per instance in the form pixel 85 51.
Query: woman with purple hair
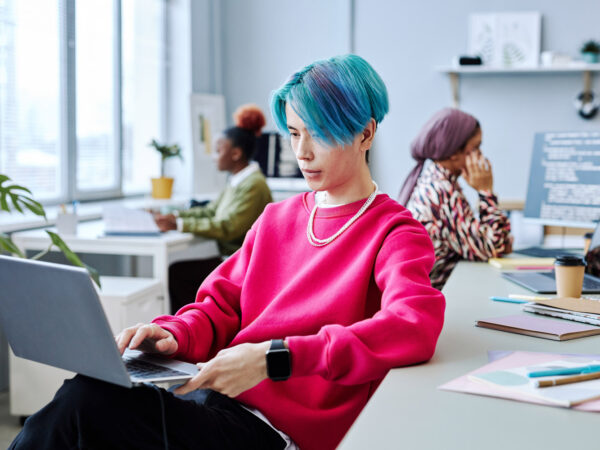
pixel 451 139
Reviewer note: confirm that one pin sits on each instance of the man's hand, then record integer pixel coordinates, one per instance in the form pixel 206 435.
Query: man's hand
pixel 166 222
pixel 478 172
pixel 232 371
pixel 148 338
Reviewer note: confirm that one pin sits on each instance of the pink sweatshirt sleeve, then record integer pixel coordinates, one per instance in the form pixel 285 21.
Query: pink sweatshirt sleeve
pixel 208 325
pixel 404 331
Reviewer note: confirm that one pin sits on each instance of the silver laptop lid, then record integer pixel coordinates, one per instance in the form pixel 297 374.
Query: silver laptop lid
pixel 51 314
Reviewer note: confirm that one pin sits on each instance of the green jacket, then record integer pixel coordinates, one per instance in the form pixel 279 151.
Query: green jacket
pixel 230 216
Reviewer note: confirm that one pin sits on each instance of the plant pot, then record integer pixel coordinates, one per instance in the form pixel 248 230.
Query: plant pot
pixel 162 187
pixel 590 57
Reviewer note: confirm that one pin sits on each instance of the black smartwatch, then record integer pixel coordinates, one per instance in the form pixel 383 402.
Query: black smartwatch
pixel 279 365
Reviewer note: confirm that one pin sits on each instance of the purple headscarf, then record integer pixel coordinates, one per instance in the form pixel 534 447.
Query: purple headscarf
pixel 441 137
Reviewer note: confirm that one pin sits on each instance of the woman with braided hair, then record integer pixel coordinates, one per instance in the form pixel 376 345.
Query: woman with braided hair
pixel 228 218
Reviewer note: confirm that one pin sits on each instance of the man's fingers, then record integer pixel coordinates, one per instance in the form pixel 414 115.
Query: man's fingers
pixel 167 345
pixel 144 332
pixel 124 337
pixel 199 381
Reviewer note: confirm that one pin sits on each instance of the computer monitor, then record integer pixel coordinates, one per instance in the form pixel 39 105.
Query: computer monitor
pixel 275 156
pixel 564 179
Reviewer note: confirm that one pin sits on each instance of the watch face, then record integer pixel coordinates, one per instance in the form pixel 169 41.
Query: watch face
pixel 278 364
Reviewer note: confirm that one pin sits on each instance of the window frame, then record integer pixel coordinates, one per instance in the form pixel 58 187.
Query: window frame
pixel 116 191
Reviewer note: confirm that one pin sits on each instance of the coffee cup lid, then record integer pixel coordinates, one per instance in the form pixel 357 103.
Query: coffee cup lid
pixel 569 260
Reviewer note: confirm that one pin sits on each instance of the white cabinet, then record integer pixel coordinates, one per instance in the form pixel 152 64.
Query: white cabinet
pixel 126 301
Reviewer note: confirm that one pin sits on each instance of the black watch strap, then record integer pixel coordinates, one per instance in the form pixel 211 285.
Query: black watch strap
pixel 277 344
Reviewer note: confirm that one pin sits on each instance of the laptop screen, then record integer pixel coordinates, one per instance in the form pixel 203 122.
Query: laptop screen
pixel 592 257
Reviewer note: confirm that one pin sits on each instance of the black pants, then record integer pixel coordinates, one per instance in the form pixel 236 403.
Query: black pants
pixel 185 277
pixel 92 414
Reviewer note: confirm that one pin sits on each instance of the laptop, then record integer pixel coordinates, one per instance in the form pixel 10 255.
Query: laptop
pixel 51 313
pixel 545 283
pixel 545 252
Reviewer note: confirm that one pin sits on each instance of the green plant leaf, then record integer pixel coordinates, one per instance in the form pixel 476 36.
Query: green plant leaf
pixel 72 257
pixel 17 195
pixel 3 202
pixel 8 245
pixel 15 201
pixel 16 187
pixel 33 206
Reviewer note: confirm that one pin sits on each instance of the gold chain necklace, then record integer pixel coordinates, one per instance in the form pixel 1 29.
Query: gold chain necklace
pixel 313 240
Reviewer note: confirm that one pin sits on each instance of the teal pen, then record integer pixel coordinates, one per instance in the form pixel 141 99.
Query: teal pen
pixel 564 371
pixel 508 300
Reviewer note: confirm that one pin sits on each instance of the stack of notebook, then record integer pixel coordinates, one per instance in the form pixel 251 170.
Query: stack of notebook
pixel 585 310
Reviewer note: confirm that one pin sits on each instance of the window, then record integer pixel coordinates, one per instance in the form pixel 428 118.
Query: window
pixel 143 55
pixel 97 161
pixel 30 114
pixel 82 86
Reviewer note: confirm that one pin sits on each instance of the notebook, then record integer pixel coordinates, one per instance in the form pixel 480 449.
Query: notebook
pixel 557 330
pixel 66 327
pixel 119 221
pixel 507 361
pixel 583 317
pixel 516 380
pixel 545 283
pixel 519 263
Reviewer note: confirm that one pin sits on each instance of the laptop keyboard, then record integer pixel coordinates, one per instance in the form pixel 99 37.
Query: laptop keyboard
pixel 142 369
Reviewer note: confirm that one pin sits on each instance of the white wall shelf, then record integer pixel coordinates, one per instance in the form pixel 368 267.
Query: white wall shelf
pixel 454 72
pixel 482 70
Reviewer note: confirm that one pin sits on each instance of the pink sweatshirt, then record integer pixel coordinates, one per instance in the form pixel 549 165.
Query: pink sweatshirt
pixel 350 310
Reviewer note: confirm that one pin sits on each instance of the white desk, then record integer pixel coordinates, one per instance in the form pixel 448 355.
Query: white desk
pixel 409 412
pixel 163 249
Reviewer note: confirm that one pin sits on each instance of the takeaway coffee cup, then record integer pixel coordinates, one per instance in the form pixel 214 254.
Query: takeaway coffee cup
pixel 569 271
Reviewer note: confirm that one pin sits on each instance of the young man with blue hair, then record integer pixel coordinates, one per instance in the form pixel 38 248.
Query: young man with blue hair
pixel 296 330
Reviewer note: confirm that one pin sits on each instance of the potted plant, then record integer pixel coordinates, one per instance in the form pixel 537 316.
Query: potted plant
pixel 21 200
pixel 590 51
pixel 163 187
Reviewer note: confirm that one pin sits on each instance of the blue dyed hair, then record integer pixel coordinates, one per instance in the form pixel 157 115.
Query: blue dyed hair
pixel 335 98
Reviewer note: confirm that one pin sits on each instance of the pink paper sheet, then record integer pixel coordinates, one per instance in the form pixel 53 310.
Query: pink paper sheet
pixel 515 359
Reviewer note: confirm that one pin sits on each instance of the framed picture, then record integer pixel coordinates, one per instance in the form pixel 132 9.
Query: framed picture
pixel 506 39
pixel 208 120
pixel 207 113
